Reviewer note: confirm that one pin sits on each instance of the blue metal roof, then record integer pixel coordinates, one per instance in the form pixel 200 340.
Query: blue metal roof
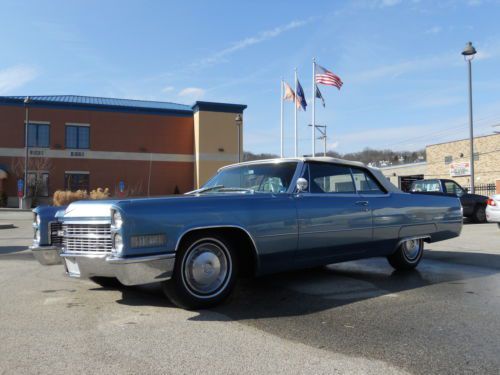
pixel 98 102
pixel 120 105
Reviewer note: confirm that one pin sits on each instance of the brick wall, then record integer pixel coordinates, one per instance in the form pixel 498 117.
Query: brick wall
pixel 487 167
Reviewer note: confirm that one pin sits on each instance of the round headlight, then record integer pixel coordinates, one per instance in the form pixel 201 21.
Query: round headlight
pixel 117 243
pixel 117 220
pixel 37 235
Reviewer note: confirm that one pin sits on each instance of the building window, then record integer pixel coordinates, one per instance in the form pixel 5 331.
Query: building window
pixel 76 181
pixel 77 136
pixel 38 184
pixel 476 156
pixel 38 135
pixel 448 159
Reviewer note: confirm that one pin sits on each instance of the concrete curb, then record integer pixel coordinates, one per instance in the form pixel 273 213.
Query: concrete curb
pixel 3 209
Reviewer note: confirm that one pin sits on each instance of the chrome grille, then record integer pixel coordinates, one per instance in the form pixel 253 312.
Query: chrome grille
pixel 55 238
pixel 87 238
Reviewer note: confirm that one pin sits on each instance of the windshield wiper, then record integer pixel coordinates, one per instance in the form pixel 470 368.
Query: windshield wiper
pixel 202 190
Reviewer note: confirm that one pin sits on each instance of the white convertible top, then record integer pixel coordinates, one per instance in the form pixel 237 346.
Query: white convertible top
pixel 325 159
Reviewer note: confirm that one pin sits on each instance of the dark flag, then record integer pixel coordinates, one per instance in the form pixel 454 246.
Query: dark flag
pixel 300 98
pixel 319 96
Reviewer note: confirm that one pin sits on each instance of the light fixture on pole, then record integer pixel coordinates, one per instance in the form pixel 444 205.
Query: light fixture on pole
pixel 239 122
pixel 27 101
pixel 468 53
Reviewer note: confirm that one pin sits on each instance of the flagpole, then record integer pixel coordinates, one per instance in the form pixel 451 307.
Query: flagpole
pixel 295 118
pixel 314 109
pixel 282 120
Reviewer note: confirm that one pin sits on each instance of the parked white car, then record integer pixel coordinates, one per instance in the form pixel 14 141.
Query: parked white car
pixel 493 210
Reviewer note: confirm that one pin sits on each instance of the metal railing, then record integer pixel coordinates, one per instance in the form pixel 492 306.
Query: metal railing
pixel 483 189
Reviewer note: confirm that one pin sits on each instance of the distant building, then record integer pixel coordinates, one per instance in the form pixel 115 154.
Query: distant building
pixel 452 160
pixel 136 146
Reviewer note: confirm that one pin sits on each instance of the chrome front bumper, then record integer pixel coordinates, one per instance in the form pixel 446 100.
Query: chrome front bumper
pixel 129 271
pixel 46 255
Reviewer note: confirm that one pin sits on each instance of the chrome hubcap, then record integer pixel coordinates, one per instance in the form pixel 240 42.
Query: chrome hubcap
pixel 206 268
pixel 411 249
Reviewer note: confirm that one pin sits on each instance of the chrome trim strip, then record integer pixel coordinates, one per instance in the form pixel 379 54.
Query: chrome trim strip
pixel 427 237
pixel 256 250
pixel 150 258
pixel 42 248
pixel 87 235
pixel 84 255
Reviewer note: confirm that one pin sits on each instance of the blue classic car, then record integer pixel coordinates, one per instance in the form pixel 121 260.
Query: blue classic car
pixel 254 218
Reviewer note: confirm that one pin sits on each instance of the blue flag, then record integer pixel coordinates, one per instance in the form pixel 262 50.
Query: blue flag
pixel 300 98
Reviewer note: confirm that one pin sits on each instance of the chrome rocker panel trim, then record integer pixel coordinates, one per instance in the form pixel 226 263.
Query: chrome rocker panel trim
pixel 46 255
pixel 129 271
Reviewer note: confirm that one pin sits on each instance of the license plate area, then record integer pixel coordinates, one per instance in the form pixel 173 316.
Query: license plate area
pixel 72 267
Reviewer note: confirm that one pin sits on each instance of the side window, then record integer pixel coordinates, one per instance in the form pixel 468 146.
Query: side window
pixel 76 181
pixel 426 185
pixel 330 178
pixel 38 135
pixel 453 188
pixel 366 183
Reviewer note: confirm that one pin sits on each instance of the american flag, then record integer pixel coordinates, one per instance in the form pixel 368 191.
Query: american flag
pixel 325 77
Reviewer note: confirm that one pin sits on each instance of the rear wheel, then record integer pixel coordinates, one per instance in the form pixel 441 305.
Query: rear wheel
pixel 204 273
pixel 479 215
pixel 408 254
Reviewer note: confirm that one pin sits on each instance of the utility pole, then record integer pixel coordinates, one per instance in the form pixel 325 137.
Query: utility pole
pixel 323 136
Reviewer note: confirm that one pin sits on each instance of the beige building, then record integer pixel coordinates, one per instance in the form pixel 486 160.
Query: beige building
pixel 451 160
pixel 403 175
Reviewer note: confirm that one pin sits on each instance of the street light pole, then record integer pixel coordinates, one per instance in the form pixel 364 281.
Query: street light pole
pixel 468 53
pixel 239 122
pixel 27 100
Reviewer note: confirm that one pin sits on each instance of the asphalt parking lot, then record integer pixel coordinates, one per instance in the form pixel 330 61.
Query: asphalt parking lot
pixel 357 317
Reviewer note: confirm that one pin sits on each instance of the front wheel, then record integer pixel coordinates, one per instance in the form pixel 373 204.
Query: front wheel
pixel 204 274
pixel 408 254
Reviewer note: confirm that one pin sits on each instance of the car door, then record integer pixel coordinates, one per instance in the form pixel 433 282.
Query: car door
pixel 334 221
pixel 453 189
pixel 388 216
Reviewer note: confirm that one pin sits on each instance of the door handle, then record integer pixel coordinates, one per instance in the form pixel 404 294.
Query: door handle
pixel 362 203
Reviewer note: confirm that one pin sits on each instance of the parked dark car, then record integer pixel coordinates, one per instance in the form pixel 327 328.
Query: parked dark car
pixel 474 205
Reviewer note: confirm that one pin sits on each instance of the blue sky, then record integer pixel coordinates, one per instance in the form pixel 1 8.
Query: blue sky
pixel 404 78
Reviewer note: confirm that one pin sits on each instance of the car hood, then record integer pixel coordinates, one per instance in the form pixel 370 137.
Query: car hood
pixel 94 209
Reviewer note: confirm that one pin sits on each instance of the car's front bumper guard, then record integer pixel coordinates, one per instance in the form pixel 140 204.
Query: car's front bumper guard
pixel 46 255
pixel 129 271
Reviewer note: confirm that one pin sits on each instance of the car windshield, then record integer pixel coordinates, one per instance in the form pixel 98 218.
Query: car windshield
pixel 266 177
pixel 426 186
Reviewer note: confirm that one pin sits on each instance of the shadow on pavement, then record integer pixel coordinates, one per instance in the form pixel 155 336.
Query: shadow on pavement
pixel 11 249
pixel 309 291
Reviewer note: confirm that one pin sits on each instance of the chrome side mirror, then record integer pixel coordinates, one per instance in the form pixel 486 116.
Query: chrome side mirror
pixel 302 184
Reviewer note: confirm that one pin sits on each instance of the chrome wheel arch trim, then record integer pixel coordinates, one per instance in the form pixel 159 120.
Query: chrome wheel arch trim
pixel 233 226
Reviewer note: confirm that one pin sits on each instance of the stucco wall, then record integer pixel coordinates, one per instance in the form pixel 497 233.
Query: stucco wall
pixel 216 143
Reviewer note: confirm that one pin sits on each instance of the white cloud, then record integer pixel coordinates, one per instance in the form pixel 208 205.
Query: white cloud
pixel 434 30
pixel 474 3
pixel 389 3
pixel 15 77
pixel 250 41
pixel 397 69
pixel 168 89
pixel 194 93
